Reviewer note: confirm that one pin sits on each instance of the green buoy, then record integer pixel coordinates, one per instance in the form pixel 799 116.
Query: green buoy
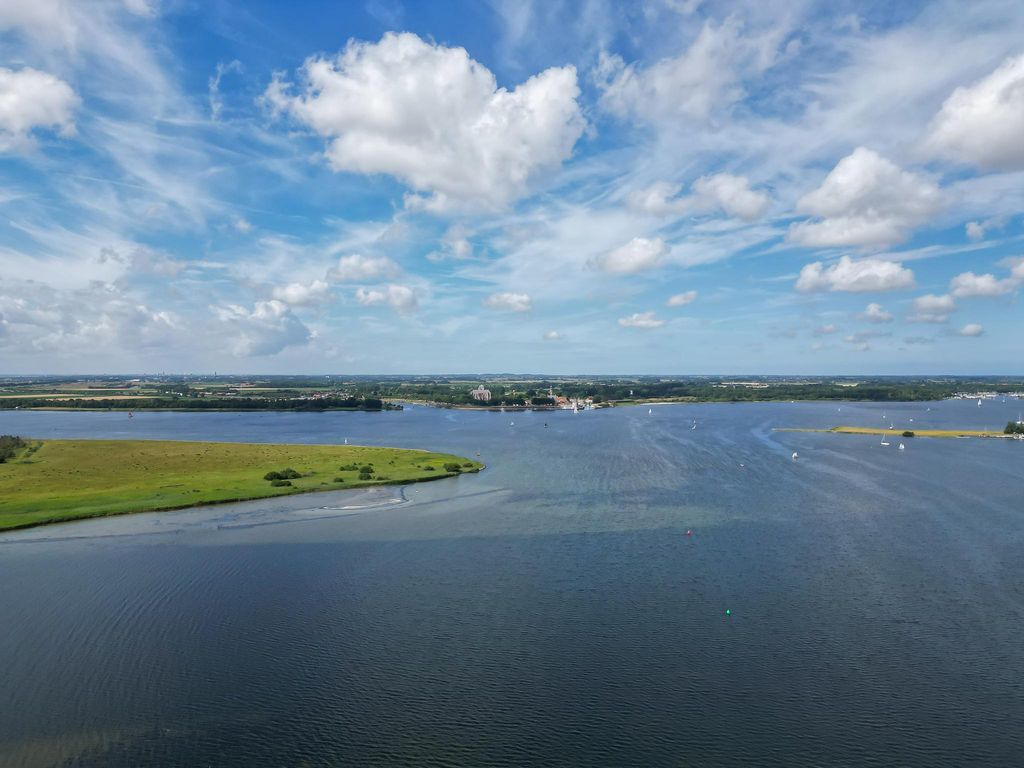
pixel 728 612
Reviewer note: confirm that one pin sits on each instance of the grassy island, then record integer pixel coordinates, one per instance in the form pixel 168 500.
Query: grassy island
pixel 899 433
pixel 59 480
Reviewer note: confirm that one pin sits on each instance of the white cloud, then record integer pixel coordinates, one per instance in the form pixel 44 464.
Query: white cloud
pixel 719 192
pixel 101 318
pixel 299 295
pixel 874 313
pixel 359 268
pixel 455 245
pixel 641 320
pixel 434 118
pixel 242 225
pixel 982 124
pixel 971 329
pixel 30 99
pixel 1016 266
pixel 507 300
pixel 552 336
pixel 213 86
pixel 704 79
pixel 849 276
pixel 638 255
pixel 681 299
pixel 865 200
pixel 977 230
pixel 825 330
pixel 266 329
pixel 968 284
pixel 933 309
pixel 400 298
pixel 733 195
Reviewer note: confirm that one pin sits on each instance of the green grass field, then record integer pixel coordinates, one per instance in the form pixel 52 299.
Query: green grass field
pixel 60 480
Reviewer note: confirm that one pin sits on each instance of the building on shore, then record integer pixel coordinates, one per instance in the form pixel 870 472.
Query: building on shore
pixel 480 394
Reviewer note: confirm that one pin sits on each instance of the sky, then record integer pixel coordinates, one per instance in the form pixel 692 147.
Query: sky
pixel 668 186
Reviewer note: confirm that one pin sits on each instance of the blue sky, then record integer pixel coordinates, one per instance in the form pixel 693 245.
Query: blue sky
pixel 672 186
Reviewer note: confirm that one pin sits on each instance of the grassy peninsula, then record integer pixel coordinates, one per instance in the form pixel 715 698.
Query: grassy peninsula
pixel 900 433
pixel 59 480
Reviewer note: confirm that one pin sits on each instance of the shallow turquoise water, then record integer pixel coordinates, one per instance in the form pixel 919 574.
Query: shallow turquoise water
pixel 549 611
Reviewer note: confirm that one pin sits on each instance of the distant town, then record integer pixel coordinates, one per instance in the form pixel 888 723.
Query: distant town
pixel 339 392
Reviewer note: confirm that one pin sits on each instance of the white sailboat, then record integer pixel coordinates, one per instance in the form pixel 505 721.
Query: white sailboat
pixel 902 447
pixel 979 402
pixel 650 411
pixel 795 456
pixel 884 442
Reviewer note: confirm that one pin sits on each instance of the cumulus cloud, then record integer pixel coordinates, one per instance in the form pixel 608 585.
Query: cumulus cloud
pixel 434 118
pixel 982 124
pixel 932 309
pixel 358 268
pixel 641 320
pixel 874 313
pixel 719 192
pixel 266 329
pixel 29 100
pixel 865 200
pixel 849 276
pixel 300 295
pixel 101 318
pixel 704 79
pixel 638 255
pixel 400 298
pixel 968 285
pixel 971 329
pixel 508 301
pixel 681 299
pixel 977 230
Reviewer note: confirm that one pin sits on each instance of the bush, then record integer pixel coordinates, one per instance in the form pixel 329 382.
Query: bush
pixel 365 476
pixel 467 463
pixel 280 483
pixel 908 433
pixel 452 466
pixel 429 468
pixel 366 470
pixel 339 479
pixel 289 474
pixel 347 468
pixel 272 476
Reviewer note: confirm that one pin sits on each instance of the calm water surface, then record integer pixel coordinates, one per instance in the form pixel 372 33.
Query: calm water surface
pixel 548 611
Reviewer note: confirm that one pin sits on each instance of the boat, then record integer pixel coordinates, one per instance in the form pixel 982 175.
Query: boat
pixel 795 456
pixel 884 443
pixel 902 447
pixel 650 411
pixel 694 425
pixel 979 402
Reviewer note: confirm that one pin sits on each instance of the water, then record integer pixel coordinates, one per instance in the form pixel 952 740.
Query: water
pixel 548 611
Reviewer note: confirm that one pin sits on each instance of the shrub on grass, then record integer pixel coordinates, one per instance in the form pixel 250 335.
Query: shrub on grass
pixel 365 476
pixel 280 483
pixel 366 470
pixel 339 479
pixel 429 468
pixel 467 463
pixel 347 468
pixel 289 474
pixel 272 476
pixel 452 466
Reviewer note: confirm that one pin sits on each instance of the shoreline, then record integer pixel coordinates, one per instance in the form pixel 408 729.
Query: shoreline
pixel 880 431
pixel 123 477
